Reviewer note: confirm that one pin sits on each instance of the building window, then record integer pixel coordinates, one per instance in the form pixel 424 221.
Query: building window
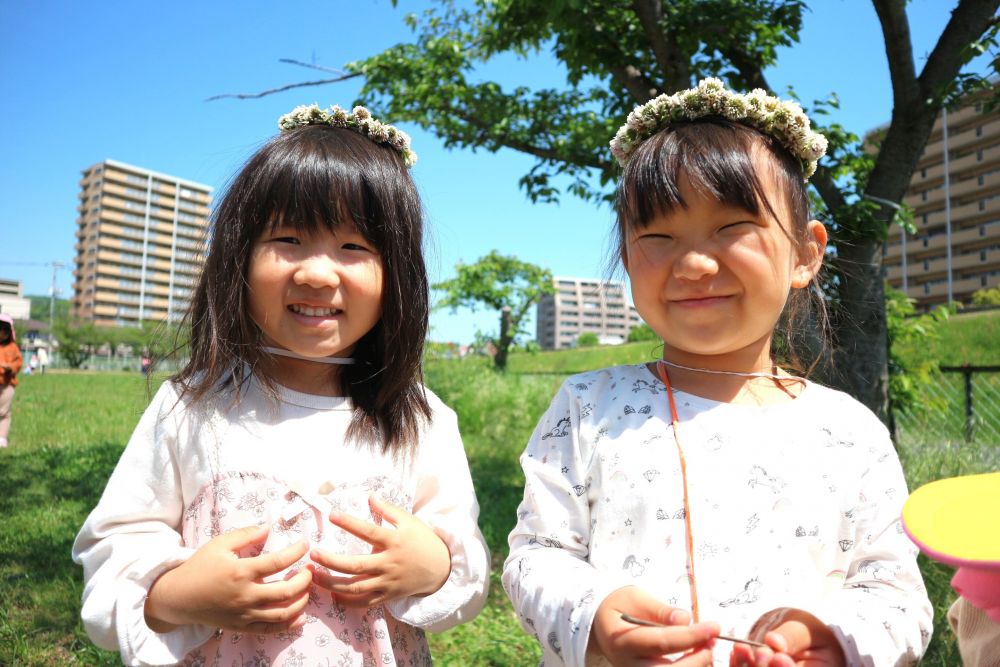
pixel 982 255
pixel 923 196
pixel 980 179
pixel 927 288
pixel 979 131
pixel 979 155
pixel 982 204
pixel 925 218
pixel 923 173
pixel 927 265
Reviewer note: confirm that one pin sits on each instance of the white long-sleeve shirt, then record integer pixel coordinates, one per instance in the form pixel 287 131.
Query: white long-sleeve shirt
pixel 792 505
pixel 190 473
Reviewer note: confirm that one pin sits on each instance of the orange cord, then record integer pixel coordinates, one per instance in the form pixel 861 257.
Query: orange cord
pixel 674 420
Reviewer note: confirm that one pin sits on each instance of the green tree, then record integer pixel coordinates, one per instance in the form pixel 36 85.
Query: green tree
pixel 986 297
pixel 910 376
pixel 641 333
pixel 40 307
pixel 76 341
pixel 587 339
pixel 617 54
pixel 502 283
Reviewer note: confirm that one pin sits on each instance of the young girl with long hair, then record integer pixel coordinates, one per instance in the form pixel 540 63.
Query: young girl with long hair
pixel 712 484
pixel 294 495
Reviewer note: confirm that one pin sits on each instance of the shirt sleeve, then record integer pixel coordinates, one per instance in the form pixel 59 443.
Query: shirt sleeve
pixel 881 615
pixel 132 537
pixel 446 501
pixel 554 589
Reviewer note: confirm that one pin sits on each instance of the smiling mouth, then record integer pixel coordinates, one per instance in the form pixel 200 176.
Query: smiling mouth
pixel 314 312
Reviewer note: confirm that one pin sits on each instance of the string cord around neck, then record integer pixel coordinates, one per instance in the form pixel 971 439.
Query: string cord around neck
pixel 688 533
pixel 281 352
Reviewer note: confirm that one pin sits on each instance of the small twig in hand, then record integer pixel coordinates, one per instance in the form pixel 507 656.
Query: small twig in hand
pixel 629 618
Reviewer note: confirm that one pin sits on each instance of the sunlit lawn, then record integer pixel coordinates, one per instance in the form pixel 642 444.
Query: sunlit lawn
pixel 69 429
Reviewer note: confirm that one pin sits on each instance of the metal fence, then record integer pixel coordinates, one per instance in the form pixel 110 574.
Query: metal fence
pixel 961 405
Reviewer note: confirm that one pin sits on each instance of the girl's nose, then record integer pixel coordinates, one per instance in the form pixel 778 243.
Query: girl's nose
pixel 318 271
pixel 694 264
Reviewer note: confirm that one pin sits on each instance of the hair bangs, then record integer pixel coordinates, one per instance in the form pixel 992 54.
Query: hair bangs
pixel 314 180
pixel 715 157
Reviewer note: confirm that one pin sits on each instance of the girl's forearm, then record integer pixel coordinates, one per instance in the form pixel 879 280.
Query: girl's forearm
pixel 160 615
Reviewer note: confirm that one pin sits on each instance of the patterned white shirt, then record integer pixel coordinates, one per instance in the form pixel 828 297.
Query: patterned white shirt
pixel 190 473
pixel 792 505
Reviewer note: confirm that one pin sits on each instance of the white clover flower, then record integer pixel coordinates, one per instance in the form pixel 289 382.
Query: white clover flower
pixel 783 120
pixel 358 120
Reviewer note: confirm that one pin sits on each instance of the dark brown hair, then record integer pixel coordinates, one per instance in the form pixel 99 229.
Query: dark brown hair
pixel 716 156
pixel 310 178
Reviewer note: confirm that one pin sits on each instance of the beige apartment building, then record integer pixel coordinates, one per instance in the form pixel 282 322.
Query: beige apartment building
pixel 955 194
pixel 583 305
pixel 140 244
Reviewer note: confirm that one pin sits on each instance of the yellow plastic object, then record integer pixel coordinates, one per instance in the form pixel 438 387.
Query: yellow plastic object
pixel 957 520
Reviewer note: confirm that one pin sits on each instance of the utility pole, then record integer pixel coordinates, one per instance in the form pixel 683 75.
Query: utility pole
pixel 52 304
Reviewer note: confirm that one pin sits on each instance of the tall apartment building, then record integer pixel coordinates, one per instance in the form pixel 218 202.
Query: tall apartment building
pixel 582 305
pixel 140 244
pixel 955 193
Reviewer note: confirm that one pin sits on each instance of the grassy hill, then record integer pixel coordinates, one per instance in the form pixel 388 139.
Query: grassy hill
pixel 965 338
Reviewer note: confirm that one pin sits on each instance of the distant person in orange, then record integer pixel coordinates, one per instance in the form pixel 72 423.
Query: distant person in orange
pixel 10 366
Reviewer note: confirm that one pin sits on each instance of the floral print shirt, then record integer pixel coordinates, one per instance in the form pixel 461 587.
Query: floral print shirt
pixel 792 505
pixel 190 473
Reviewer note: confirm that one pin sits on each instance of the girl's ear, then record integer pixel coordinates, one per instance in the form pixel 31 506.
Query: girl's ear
pixel 810 255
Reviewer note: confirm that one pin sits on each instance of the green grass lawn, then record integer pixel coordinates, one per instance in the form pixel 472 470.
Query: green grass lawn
pixel 69 429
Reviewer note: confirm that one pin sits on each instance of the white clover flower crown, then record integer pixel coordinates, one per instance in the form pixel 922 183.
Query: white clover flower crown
pixel 782 119
pixel 359 120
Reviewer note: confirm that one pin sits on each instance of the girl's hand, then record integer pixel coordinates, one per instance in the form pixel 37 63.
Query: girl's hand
pixel 794 638
pixel 409 559
pixel 623 643
pixel 217 588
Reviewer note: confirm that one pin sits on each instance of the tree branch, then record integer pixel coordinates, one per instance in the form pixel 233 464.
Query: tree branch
pixel 281 89
pixel 522 146
pixel 674 67
pixel 321 68
pixel 898 50
pixel 970 20
pixel 635 82
pixel 832 196
pixel 748 68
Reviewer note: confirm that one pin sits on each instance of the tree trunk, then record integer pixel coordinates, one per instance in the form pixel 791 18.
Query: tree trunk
pixel 860 353
pixel 503 344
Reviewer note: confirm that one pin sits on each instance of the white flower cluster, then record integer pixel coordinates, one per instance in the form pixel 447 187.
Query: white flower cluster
pixel 783 120
pixel 358 119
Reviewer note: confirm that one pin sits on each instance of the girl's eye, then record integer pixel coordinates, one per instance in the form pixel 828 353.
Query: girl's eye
pixel 655 237
pixel 356 246
pixel 737 225
pixel 286 239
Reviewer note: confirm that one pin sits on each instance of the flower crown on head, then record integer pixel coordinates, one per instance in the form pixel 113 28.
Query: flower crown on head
pixel 359 120
pixel 782 119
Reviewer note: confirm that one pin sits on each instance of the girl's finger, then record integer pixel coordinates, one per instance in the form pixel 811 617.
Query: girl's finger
pixel 265 565
pixel 278 592
pixel 351 565
pixel 676 639
pixel 699 658
pixel 391 513
pixel 364 530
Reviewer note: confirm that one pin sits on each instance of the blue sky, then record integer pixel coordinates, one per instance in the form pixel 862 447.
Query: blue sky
pixel 83 82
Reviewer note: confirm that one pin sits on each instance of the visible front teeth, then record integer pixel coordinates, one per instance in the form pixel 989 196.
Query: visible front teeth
pixel 313 312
